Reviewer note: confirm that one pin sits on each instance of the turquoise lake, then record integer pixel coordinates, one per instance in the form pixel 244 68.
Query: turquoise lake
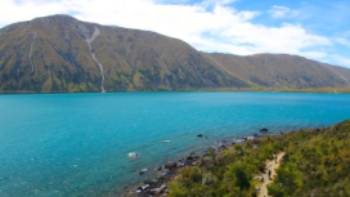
pixel 77 144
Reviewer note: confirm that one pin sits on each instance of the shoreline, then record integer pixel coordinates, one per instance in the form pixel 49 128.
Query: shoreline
pixel 156 180
pixel 325 90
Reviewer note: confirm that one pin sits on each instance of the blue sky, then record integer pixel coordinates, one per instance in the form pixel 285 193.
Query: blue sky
pixel 317 29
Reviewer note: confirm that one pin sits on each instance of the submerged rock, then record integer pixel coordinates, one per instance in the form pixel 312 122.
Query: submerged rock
pixel 264 130
pixel 143 171
pixel 200 135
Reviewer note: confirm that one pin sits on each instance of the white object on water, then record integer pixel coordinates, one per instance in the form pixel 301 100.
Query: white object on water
pixel 133 155
pixel 166 141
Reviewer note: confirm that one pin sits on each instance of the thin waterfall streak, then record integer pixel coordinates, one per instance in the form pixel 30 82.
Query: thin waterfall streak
pixel 30 54
pixel 89 42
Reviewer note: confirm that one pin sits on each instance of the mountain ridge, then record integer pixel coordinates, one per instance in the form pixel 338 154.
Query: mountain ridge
pixel 62 54
pixel 281 70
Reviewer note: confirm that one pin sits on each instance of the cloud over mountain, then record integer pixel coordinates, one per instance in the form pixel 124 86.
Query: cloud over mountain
pixel 215 26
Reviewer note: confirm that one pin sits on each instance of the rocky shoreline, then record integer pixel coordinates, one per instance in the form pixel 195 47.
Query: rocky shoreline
pixel 156 186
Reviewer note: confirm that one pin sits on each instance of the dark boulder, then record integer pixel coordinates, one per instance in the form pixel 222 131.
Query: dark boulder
pixel 264 130
pixel 189 159
pixel 160 168
pixel 170 165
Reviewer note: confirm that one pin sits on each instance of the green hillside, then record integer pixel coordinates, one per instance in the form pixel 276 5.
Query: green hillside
pixel 316 163
pixel 62 54
pixel 283 71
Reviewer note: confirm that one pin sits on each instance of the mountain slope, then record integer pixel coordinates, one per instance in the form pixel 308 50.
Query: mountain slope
pixel 283 70
pixel 61 54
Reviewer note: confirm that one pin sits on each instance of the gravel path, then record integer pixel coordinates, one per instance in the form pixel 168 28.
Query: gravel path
pixel 270 173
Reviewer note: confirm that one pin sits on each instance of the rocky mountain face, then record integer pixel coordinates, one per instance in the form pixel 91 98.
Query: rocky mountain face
pixel 61 54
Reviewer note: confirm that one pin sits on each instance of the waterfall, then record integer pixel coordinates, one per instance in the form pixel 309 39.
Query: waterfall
pixel 89 42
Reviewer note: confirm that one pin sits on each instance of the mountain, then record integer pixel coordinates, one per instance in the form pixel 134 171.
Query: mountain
pixel 62 54
pixel 59 53
pixel 270 70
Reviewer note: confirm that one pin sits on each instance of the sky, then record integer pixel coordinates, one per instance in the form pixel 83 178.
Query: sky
pixel 317 29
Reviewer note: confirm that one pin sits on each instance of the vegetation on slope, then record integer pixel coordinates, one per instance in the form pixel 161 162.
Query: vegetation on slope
pixel 316 163
pixel 51 54
pixel 283 71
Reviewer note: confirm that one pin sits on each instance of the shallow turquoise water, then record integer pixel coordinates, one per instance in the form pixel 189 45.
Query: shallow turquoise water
pixel 77 144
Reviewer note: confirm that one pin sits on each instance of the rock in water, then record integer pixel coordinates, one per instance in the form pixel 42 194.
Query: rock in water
pixel 143 171
pixel 133 155
pixel 264 130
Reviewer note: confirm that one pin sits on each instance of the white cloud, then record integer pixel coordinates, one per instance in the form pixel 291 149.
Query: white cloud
pixel 221 28
pixel 337 59
pixel 318 55
pixel 278 11
pixel 14 11
pixel 343 41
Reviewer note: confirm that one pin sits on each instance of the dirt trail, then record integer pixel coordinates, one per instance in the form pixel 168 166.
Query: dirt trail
pixel 270 173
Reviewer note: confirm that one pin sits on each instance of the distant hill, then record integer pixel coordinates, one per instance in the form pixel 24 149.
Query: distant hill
pixel 282 70
pixel 61 54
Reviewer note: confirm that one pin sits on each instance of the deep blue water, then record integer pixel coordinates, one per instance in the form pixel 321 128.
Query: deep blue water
pixel 77 144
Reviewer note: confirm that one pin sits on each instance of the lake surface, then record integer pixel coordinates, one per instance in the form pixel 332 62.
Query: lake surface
pixel 77 144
